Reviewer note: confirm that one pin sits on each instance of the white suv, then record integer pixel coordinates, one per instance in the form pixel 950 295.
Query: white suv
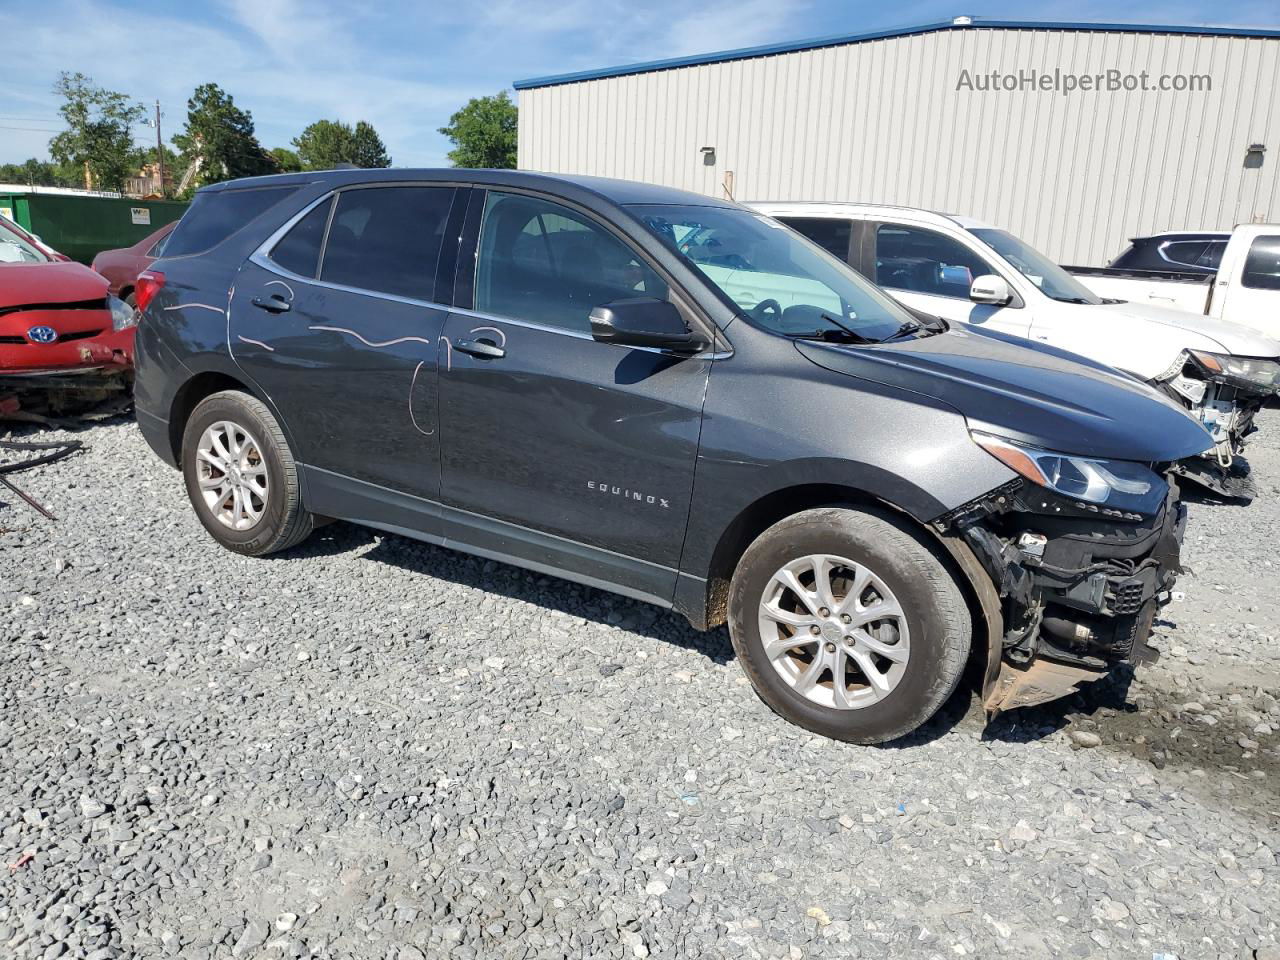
pixel 964 270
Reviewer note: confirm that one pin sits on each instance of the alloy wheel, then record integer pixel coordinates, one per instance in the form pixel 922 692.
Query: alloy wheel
pixel 834 631
pixel 232 475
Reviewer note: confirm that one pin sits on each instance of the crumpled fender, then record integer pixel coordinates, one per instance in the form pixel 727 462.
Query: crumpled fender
pixel 1005 685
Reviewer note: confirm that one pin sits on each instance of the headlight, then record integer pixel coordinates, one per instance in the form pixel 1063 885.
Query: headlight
pixel 1117 484
pixel 123 316
pixel 1254 371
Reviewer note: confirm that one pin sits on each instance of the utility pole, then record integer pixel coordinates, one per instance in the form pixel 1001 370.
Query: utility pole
pixel 159 149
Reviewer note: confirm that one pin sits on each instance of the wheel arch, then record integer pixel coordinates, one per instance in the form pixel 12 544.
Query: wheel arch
pixel 709 608
pixel 197 388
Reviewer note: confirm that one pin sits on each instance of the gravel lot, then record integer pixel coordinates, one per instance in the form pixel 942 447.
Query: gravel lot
pixel 374 748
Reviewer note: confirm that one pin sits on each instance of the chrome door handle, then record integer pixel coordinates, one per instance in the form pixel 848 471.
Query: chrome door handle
pixel 483 349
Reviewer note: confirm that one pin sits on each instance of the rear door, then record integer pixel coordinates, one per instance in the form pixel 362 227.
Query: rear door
pixel 558 451
pixel 1247 288
pixel 334 318
pixel 932 272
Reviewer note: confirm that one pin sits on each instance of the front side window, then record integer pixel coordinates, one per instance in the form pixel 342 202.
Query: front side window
pixel 548 264
pixel 776 277
pixel 387 239
pixel 925 261
pixel 299 250
pixel 830 233
pixel 1262 266
pixel 1052 280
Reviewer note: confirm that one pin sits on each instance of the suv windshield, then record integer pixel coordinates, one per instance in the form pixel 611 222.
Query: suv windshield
pixel 1035 266
pixel 14 248
pixel 776 277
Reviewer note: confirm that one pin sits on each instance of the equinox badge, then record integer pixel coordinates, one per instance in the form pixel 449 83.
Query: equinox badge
pixel 628 494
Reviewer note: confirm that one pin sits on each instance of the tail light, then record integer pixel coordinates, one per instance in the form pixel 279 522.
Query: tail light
pixel 148 285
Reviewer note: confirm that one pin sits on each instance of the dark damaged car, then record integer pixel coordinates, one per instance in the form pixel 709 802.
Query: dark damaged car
pixel 672 398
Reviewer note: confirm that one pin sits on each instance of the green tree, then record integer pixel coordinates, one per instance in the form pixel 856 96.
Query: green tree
pixel 285 159
pixel 484 133
pixel 37 173
pixel 219 139
pixel 367 148
pixel 323 144
pixel 327 143
pixel 98 141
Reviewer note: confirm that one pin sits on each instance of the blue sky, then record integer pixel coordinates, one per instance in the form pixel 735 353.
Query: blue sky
pixel 405 67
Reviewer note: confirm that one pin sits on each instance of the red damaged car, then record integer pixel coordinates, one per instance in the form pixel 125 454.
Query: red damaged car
pixel 121 267
pixel 61 332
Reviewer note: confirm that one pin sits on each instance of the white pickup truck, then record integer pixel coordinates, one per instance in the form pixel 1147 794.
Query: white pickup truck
pixel 967 271
pixel 1245 290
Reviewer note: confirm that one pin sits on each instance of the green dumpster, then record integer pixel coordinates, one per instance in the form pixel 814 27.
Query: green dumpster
pixel 82 226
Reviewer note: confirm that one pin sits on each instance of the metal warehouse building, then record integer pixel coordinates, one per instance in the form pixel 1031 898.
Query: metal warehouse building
pixel 909 116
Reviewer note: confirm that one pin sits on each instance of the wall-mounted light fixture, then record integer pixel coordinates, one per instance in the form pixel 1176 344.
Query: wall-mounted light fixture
pixel 708 156
pixel 1253 156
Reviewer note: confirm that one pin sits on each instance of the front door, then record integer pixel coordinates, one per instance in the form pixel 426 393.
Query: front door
pixel 336 324
pixel 1248 284
pixel 558 451
pixel 932 272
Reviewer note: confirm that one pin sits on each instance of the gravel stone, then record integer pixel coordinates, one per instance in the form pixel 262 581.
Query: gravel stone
pixel 477 761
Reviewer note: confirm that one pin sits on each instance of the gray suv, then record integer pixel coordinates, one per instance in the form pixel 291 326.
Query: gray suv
pixel 673 398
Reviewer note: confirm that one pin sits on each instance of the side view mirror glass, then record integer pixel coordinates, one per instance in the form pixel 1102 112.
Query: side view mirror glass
pixel 990 289
pixel 644 322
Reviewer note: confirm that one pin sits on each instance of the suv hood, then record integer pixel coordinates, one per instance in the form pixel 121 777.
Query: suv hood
pixel 1200 332
pixel 1037 395
pixel 22 284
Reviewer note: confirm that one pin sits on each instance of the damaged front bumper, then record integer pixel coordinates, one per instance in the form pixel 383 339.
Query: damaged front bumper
pixel 65 376
pixel 1226 403
pixel 1077 593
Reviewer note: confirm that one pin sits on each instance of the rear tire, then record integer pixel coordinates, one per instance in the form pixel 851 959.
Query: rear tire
pixel 881 630
pixel 241 476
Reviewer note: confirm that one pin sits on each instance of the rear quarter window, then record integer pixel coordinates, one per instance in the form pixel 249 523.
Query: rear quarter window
pixel 214 216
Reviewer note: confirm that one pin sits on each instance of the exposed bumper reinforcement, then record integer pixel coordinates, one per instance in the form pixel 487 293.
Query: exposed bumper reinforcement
pixel 1037 682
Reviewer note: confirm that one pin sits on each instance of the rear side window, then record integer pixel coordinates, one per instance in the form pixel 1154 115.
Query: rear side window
pixel 212 217
pixel 1185 252
pixel 1212 256
pixel 387 239
pixel 830 233
pixel 1262 266
pixel 299 250
pixel 545 263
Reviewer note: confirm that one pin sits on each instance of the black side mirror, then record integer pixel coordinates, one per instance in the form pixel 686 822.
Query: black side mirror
pixel 644 322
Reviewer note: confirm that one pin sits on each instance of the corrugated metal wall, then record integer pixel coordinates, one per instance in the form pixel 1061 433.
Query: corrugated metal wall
pixel 882 121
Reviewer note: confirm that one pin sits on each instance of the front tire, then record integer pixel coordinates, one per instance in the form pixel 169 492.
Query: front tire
pixel 848 624
pixel 241 476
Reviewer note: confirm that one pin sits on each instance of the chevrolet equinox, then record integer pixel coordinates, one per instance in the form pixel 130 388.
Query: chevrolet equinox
pixel 674 398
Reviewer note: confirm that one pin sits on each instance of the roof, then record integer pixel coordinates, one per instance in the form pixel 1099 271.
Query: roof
pixel 615 191
pixel 840 208
pixel 959 23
